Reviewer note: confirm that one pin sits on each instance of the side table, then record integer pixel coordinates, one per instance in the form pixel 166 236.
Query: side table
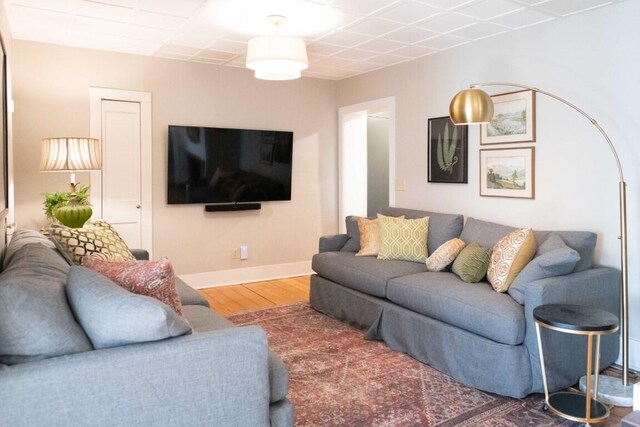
pixel 577 320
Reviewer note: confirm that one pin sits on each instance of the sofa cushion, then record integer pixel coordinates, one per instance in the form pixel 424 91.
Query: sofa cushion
pixel 36 321
pixel 472 307
pixel 442 226
pixel 202 319
pixel 553 258
pixel 365 274
pixel 353 244
pixel 584 242
pixel 369 237
pixel 23 237
pixel 484 233
pixel 403 239
pixel 510 255
pixel 112 316
pixel 150 278
pixel 471 263
pixel 445 254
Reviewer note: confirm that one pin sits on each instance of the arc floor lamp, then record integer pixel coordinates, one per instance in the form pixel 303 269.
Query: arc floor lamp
pixel 473 105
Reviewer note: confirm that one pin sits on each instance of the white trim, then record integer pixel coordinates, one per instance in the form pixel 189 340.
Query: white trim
pixel 388 104
pixel 634 354
pixel 237 276
pixel 96 95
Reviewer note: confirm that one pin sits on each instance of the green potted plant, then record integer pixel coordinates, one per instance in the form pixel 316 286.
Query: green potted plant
pixel 53 201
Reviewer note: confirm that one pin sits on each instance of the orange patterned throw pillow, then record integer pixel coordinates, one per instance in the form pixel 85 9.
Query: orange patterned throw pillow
pixel 150 278
pixel 369 236
pixel 510 255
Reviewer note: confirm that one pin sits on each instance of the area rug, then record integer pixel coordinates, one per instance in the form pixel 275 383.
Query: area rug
pixel 337 378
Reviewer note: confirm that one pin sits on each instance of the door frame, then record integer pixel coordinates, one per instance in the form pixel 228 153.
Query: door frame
pixel 363 108
pixel 96 96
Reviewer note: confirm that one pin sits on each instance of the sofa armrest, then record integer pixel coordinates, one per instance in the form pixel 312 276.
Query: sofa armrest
pixel 211 378
pixel 333 242
pixel 597 287
pixel 140 254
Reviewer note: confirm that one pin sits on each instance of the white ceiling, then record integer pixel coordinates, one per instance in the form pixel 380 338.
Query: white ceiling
pixel 344 37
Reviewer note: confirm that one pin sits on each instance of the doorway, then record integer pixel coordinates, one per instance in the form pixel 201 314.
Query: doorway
pixel 366 146
pixel 121 193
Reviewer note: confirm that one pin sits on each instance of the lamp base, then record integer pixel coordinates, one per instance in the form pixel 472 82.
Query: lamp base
pixel 610 391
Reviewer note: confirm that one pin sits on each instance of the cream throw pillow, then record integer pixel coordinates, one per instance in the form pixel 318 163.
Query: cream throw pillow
pixel 369 236
pixel 510 255
pixel 445 254
pixel 403 239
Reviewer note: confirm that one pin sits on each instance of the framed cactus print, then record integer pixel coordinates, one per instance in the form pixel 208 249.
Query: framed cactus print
pixel 514 119
pixel 447 150
pixel 507 172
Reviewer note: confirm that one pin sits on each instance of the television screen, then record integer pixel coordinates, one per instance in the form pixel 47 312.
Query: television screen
pixel 219 165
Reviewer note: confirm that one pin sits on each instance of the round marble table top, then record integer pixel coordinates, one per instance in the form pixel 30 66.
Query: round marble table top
pixel 578 318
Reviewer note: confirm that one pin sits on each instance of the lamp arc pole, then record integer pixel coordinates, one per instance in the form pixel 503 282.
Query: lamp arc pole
pixel 622 199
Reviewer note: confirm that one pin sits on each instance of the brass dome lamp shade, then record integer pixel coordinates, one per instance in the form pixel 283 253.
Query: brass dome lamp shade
pixel 473 105
pixel 71 155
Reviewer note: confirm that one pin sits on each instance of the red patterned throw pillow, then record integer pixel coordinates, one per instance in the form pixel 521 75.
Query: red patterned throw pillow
pixel 151 278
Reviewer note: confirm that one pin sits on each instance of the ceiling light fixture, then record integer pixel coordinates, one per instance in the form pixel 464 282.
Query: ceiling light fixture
pixel 277 57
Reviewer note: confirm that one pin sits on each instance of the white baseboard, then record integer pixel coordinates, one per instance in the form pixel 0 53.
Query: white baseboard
pixel 237 276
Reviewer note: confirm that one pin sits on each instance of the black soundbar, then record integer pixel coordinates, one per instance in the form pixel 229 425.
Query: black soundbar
pixel 233 207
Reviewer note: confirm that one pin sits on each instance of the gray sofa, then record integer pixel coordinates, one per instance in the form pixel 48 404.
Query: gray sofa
pixel 219 375
pixel 480 337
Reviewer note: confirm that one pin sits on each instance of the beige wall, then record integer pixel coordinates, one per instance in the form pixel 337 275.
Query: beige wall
pixel 51 91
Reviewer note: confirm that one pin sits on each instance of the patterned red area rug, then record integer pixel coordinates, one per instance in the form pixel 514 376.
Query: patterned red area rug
pixel 337 378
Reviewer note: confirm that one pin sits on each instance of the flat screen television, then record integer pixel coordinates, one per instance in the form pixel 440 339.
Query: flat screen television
pixel 220 165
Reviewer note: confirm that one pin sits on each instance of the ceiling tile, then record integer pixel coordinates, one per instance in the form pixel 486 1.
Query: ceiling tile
pixel 410 35
pixel 447 4
pixel 100 10
pixel 231 46
pixel 192 40
pixel 479 31
pixel 183 8
pixel 354 54
pixel 38 17
pixel 58 6
pixel 365 7
pixel 345 39
pixel 446 23
pixel 146 33
pixel 373 27
pixel 334 62
pixel 208 60
pixel 488 9
pixel 122 3
pixel 569 7
pixel 178 50
pixel 156 20
pixel 408 13
pixel 171 55
pixel 523 18
pixel 363 67
pixel 381 46
pixel 443 42
pixel 323 48
pixel 387 60
pixel 413 51
pixel 215 54
pixel 531 2
pixel 100 26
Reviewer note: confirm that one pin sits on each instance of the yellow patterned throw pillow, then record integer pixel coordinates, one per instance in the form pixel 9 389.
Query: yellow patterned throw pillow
pixel 445 254
pixel 369 236
pixel 403 239
pixel 98 237
pixel 510 255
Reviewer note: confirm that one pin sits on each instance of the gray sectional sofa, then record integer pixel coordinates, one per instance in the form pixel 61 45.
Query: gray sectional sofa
pixel 467 330
pixel 50 375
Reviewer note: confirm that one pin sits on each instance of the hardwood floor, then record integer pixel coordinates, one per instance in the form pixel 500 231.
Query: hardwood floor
pixel 228 300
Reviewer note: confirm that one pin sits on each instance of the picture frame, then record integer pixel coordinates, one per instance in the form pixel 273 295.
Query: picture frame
pixel 447 151
pixel 514 119
pixel 507 172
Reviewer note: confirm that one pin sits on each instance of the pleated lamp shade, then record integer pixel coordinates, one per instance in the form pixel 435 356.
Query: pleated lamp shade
pixel 70 154
pixel 277 57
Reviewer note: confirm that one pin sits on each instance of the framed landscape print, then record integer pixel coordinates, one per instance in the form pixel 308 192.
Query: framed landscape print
pixel 447 151
pixel 514 119
pixel 507 172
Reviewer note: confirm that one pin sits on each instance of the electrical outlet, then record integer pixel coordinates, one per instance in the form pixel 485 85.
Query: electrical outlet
pixel 244 252
pixel 235 253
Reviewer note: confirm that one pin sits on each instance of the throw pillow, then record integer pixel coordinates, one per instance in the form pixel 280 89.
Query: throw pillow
pixel 509 257
pixel 98 237
pixel 553 258
pixel 369 237
pixel 403 239
pixel 150 278
pixel 112 316
pixel 445 254
pixel 472 263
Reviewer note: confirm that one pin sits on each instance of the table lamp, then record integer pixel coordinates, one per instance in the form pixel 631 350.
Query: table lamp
pixel 71 155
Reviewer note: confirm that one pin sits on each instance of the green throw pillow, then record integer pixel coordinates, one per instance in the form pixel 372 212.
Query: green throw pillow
pixel 472 263
pixel 403 239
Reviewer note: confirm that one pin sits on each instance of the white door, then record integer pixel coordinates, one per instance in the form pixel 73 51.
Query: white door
pixel 121 179
pixel 121 192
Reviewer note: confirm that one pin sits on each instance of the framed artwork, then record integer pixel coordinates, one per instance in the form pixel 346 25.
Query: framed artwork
pixel 447 151
pixel 507 172
pixel 514 119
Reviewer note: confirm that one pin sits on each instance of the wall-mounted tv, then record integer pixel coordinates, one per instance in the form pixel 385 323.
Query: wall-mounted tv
pixel 220 165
